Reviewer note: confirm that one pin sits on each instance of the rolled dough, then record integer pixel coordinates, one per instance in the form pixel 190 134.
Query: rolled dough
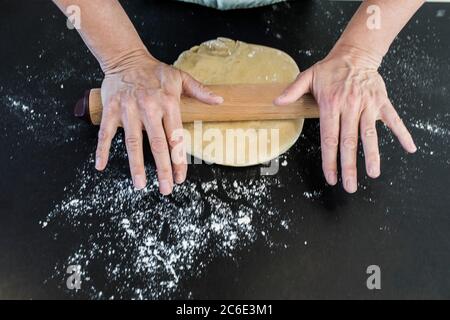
pixel 225 61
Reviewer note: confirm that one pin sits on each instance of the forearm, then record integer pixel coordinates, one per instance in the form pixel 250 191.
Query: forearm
pixel 108 32
pixel 375 39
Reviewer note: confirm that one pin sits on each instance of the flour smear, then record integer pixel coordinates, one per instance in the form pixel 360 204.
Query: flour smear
pixel 144 245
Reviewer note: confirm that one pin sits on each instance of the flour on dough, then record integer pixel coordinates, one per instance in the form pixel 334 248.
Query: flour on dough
pixel 225 61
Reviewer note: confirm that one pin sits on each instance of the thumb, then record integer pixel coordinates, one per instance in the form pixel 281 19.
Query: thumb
pixel 300 87
pixel 195 89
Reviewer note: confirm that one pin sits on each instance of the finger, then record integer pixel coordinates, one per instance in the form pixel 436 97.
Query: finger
pixel 195 89
pixel 329 136
pixel 297 89
pixel 391 118
pixel 160 151
pixel 174 133
pixel 349 146
pixel 369 139
pixel 133 141
pixel 108 129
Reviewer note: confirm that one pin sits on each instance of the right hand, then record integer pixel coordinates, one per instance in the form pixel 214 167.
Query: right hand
pixel 352 97
pixel 144 93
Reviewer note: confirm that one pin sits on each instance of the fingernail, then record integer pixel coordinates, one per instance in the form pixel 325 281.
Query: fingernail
pixel 279 99
pixel 165 187
pixel 219 99
pixel 332 178
pixel 98 163
pixel 412 147
pixel 350 185
pixel 139 182
pixel 179 178
pixel 374 171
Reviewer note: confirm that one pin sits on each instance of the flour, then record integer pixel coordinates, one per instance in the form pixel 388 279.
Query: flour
pixel 41 112
pixel 432 128
pixel 312 195
pixel 145 245
pixel 40 118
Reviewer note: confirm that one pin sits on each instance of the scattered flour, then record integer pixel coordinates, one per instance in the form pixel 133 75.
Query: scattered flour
pixel 432 128
pixel 40 118
pixel 143 245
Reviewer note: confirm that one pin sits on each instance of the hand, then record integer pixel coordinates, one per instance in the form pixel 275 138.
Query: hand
pixel 143 93
pixel 351 94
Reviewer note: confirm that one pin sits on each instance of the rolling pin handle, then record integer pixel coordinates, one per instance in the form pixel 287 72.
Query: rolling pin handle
pixel 81 109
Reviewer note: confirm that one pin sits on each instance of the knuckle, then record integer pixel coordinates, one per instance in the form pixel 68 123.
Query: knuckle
pixel 144 101
pixel 396 120
pixel 111 108
pixel 333 112
pixel 175 138
pixel 396 123
pixel 336 95
pixel 127 111
pixel 369 132
pixel 330 142
pixel 380 96
pixel 125 100
pixel 196 84
pixel 175 142
pixel 158 144
pixel 170 102
pixel 350 142
pixel 174 100
pixel 149 110
pixel 331 104
pixel 152 111
pixel 353 94
pixel 140 93
pixel 103 136
pixel 353 103
pixel 132 143
pixel 333 101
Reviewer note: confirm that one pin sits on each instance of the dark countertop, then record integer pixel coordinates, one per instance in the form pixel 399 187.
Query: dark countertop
pixel 226 233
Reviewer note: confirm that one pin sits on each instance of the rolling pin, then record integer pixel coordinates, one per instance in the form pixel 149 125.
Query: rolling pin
pixel 241 103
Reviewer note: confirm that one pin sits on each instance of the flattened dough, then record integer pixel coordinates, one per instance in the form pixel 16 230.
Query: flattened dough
pixel 225 61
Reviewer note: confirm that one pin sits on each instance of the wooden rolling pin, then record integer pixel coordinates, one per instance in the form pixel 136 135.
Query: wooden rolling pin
pixel 241 102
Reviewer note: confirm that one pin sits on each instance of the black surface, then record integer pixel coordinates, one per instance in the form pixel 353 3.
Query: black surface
pixel 400 222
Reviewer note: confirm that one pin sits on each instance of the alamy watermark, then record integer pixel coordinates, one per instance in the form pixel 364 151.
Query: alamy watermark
pixel 73 282
pixel 374 20
pixel 237 146
pixel 374 280
pixel 73 13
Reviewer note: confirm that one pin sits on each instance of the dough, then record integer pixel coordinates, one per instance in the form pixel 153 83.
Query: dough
pixel 225 61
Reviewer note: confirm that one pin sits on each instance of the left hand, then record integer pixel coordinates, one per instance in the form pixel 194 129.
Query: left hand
pixel 351 94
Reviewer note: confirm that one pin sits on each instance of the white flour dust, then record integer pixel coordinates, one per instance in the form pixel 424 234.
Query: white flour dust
pixel 143 245
pixel 40 118
pixel 432 128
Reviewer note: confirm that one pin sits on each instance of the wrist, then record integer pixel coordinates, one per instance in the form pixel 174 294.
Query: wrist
pixel 127 60
pixel 356 55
